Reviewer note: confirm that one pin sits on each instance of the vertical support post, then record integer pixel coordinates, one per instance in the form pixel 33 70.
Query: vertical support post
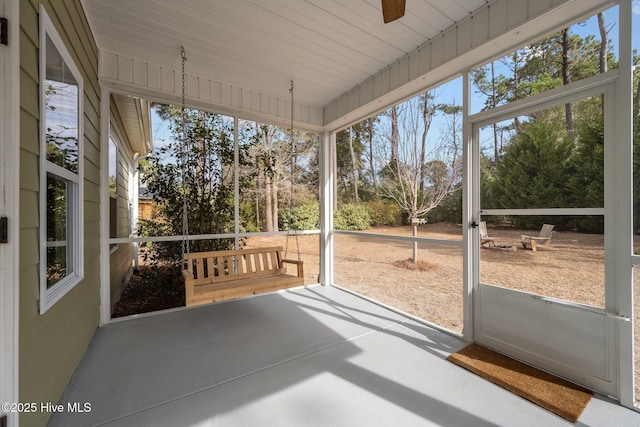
pixel 414 224
pixel 10 208
pixel 618 201
pixel 327 141
pixel 135 211
pixel 105 279
pixel 236 182
pixel 470 205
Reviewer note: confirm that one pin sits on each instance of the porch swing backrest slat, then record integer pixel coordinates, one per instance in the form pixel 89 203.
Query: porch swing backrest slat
pixel 218 275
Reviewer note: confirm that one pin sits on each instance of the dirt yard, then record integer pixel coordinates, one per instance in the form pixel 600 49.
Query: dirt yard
pixel 570 267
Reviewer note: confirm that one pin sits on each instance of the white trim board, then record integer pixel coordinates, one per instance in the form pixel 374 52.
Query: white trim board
pixel 9 206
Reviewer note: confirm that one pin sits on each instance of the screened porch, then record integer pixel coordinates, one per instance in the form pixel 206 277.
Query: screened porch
pixel 314 356
pixel 395 308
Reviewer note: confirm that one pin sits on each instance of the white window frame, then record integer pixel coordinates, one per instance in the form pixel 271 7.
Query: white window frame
pixel 133 196
pixel 113 139
pixel 74 180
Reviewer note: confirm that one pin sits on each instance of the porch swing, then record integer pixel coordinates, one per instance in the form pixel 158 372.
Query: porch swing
pixel 222 275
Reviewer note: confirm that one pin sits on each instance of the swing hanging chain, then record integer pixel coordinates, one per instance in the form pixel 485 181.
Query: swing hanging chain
pixel 185 219
pixel 291 194
pixel 286 245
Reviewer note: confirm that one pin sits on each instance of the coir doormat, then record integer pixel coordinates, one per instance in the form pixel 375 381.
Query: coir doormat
pixel 550 392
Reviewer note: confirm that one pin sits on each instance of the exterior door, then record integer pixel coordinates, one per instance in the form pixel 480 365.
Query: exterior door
pixel 553 307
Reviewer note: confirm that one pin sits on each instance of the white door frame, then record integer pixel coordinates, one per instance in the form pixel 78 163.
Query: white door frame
pixel 9 206
pixel 583 344
pixel 623 196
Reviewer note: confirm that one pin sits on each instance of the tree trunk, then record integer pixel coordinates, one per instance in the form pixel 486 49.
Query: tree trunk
pixel 494 101
pixel 516 87
pixel 604 44
pixel 423 142
pixel 258 187
pixel 371 167
pixel 604 47
pixel 395 134
pixel 638 97
pixel 268 218
pixel 566 79
pixel 353 166
pixel 334 160
pixel 274 206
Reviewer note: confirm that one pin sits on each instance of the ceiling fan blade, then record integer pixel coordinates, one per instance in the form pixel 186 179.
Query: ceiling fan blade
pixel 392 10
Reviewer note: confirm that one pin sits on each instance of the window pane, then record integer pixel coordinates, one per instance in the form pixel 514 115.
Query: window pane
pixel 113 188
pixel 555 60
pixel 57 226
pixel 568 265
pixel 404 167
pixel 278 191
pixel 383 269
pixel 636 128
pixel 193 165
pixel 113 168
pixel 543 160
pixel 61 111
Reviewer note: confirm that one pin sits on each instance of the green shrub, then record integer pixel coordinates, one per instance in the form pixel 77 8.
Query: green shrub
pixel 155 253
pixel 384 213
pixel 248 217
pixel 305 217
pixel 170 253
pixel 450 210
pixel 351 216
pixel 348 216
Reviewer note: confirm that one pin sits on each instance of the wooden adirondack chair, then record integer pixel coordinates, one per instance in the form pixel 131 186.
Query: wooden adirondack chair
pixel 543 239
pixel 484 238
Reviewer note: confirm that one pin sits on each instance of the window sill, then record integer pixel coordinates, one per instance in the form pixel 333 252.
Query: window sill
pixel 51 296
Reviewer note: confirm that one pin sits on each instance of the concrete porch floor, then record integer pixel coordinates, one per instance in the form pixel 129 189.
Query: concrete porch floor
pixel 315 356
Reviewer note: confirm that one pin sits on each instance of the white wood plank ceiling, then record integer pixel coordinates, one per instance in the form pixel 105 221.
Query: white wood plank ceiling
pixel 326 46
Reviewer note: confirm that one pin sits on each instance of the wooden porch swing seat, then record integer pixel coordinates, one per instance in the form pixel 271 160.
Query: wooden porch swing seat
pixel 222 275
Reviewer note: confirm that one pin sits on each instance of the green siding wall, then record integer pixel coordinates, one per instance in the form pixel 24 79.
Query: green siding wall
pixel 52 344
pixel 120 259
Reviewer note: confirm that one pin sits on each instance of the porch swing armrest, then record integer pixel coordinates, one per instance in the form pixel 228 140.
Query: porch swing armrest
pixel 187 274
pixel 298 263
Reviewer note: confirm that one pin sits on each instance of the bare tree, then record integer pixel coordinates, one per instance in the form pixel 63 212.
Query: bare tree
pixel 394 135
pixel 424 170
pixel 428 110
pixel 279 160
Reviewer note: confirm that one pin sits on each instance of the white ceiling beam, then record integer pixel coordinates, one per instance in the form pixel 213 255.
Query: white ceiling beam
pixel 124 74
